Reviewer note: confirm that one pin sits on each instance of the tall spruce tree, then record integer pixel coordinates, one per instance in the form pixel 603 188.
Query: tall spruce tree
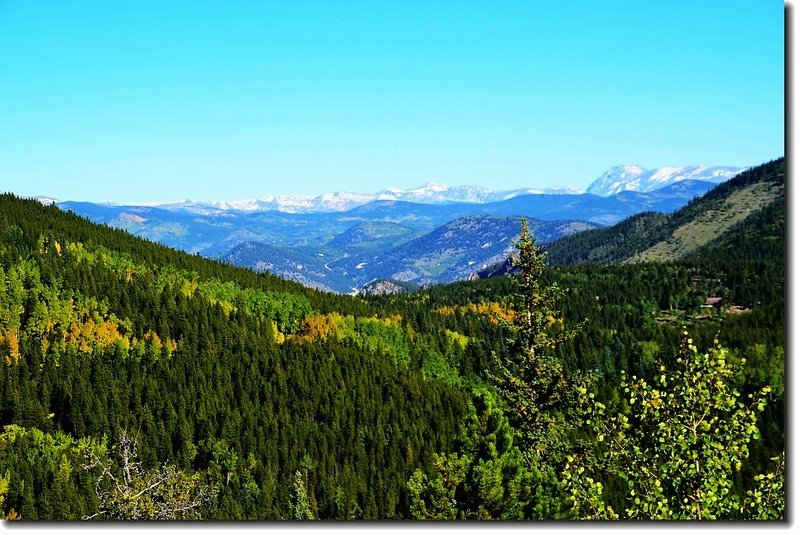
pixel 532 378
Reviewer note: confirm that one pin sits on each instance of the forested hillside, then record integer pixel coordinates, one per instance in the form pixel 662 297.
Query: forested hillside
pixel 267 392
pixel 659 237
pixel 142 382
pixel 634 322
pixel 342 250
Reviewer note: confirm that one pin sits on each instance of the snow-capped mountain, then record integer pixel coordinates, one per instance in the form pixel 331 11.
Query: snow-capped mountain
pixel 438 193
pixel 635 178
pixel 615 180
pixel 328 202
pixel 431 193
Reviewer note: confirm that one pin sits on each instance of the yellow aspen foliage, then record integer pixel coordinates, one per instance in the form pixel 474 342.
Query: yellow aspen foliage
pixel 315 326
pixel 9 347
pixel 496 312
pixel 387 320
pixel 124 343
pixel 279 336
pixel 4 484
pixel 189 287
pixel 154 340
pixel 89 335
pixel 457 338
pixel 446 310
pixel 107 334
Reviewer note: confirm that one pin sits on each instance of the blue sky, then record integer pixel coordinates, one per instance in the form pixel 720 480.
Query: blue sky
pixel 154 101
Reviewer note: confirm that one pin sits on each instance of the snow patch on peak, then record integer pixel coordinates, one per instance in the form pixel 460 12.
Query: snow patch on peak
pixel 635 178
pixel 435 186
pixel 626 177
pixel 628 169
pixel 665 173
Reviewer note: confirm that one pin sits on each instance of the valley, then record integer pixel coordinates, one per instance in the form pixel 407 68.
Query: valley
pixel 436 264
pixel 428 235
pixel 257 397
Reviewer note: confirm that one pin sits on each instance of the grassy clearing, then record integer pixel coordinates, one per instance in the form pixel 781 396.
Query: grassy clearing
pixel 710 225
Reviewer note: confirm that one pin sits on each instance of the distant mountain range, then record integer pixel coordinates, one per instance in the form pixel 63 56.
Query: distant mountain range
pixel 410 242
pixel 431 193
pixel 613 181
pixel 454 251
pixel 437 238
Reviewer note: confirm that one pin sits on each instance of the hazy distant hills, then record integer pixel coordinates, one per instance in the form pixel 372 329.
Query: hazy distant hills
pixel 197 232
pixel 615 180
pixel 454 251
pixel 296 264
pixel 371 235
pixel 436 239
pixel 430 193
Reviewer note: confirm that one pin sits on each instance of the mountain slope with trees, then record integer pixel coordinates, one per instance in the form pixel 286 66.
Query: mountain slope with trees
pixel 322 249
pixel 137 381
pixel 654 236
pixel 586 432
pixel 236 380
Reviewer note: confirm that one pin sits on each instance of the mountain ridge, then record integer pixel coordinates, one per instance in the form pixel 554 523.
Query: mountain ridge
pixel 632 177
pixel 454 251
pixel 618 179
pixel 324 249
pixel 651 236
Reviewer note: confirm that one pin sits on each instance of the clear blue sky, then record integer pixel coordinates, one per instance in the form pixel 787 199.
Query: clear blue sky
pixel 139 100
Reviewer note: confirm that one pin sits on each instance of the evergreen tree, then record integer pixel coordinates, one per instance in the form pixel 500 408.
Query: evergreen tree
pixel 531 377
pixel 485 480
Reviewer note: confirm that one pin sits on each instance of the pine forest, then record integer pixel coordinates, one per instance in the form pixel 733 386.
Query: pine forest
pixel 617 373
